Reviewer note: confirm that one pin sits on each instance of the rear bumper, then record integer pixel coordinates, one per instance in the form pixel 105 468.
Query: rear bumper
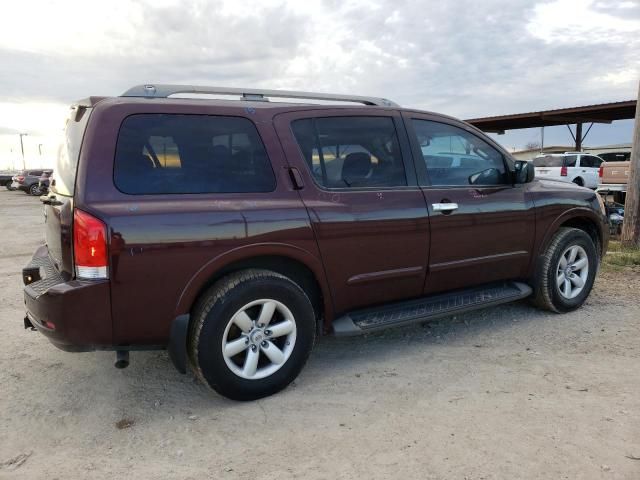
pixel 75 315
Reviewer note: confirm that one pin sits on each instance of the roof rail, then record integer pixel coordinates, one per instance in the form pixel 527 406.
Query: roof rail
pixel 251 94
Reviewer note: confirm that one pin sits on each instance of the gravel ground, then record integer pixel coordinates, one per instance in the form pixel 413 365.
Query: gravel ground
pixel 505 393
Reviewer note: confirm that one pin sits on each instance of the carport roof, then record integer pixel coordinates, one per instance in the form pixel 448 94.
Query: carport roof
pixel 600 113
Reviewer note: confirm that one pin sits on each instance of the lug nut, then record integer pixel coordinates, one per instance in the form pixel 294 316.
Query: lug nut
pixel 264 344
pixel 267 332
pixel 260 325
pixel 253 348
pixel 246 342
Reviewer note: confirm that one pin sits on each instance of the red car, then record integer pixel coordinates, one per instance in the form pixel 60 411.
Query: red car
pixel 234 232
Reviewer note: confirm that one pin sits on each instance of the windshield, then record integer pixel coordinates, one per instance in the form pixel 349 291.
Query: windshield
pixel 64 177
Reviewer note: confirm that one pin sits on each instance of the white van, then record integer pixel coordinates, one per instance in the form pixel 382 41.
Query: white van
pixel 579 168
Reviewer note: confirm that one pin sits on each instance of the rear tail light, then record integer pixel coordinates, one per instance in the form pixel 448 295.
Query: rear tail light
pixel 20 179
pixel 89 246
pixel 563 171
pixel 601 171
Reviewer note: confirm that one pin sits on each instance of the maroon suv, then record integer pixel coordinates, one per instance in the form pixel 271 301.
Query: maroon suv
pixel 233 232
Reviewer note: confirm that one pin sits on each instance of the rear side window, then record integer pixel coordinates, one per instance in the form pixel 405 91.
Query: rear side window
pixel 162 154
pixel 351 152
pixel 590 161
pixel 69 152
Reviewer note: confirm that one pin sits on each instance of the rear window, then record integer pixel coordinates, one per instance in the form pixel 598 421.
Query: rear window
pixel 69 152
pixel 547 161
pixel 163 154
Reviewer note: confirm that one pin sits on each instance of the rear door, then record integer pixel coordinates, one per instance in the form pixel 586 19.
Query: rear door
pixel 482 225
pixel 367 212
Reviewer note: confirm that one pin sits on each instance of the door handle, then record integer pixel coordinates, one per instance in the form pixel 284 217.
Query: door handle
pixel 444 207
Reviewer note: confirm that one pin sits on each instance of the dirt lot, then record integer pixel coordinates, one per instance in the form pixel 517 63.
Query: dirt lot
pixel 505 393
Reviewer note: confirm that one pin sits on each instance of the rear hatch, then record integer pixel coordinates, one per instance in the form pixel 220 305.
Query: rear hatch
pixel 548 165
pixel 58 203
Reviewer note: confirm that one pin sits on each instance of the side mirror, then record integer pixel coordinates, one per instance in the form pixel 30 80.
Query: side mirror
pixel 525 172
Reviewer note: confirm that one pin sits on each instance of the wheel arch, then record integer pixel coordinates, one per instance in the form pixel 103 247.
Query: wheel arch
pixel 293 262
pixel 582 218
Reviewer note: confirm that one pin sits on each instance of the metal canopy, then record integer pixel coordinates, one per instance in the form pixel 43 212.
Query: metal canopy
pixel 601 113
pixel 251 94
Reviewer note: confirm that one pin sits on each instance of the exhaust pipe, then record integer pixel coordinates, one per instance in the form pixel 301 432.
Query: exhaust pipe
pixel 122 359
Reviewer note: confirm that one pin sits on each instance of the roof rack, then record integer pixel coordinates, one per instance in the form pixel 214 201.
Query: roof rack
pixel 250 94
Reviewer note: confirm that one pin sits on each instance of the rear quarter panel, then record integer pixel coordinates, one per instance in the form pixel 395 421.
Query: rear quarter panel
pixel 164 248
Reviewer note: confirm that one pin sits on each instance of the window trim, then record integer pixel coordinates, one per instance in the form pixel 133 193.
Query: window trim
pixel 421 169
pixel 195 194
pixel 403 143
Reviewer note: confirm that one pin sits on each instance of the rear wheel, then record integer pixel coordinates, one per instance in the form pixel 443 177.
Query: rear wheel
pixel 251 334
pixel 566 271
pixel 34 190
pixel 578 181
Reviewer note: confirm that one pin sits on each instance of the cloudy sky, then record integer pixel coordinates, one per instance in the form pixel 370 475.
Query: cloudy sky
pixel 465 58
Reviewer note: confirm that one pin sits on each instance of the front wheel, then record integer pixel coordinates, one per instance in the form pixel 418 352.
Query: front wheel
pixel 251 334
pixel 34 190
pixel 566 271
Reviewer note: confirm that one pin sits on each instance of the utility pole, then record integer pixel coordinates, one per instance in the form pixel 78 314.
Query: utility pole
pixel 631 225
pixel 24 162
pixel 541 139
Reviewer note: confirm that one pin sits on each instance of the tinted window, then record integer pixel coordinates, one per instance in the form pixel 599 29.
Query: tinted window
pixel 590 161
pixel 344 152
pixel 570 160
pixel 553 161
pixel 454 156
pixel 159 153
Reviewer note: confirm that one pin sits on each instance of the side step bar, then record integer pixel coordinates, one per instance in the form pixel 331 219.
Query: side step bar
pixel 428 308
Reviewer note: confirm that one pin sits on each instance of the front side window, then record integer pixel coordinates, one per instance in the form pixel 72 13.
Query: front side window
pixel 351 152
pixel 161 154
pixel 455 157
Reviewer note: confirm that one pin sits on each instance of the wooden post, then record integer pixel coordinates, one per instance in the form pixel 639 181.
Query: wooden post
pixel 631 225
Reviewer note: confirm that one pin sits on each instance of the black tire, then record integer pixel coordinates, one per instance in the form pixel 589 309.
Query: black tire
pixel 578 181
pixel 547 294
pixel 214 311
pixel 34 190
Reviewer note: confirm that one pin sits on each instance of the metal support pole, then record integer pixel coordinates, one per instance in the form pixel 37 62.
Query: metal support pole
pixel 24 162
pixel 578 137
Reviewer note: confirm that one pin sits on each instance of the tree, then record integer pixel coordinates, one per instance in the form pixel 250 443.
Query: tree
pixel 631 225
pixel 532 146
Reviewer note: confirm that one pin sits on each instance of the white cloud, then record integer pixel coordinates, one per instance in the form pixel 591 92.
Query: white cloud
pixel 464 58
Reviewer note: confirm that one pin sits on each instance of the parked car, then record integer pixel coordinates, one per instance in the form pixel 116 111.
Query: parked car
pixel 579 168
pixel 233 233
pixel 6 179
pixel 28 181
pixel 43 182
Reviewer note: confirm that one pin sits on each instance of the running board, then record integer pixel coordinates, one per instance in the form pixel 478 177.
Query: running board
pixel 428 308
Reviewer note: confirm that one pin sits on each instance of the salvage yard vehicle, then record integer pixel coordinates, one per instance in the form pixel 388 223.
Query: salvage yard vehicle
pixel 575 167
pixel 28 181
pixel 234 232
pixel 6 179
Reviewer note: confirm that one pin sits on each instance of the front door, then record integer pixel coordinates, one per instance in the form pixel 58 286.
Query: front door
pixel 482 225
pixel 367 211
